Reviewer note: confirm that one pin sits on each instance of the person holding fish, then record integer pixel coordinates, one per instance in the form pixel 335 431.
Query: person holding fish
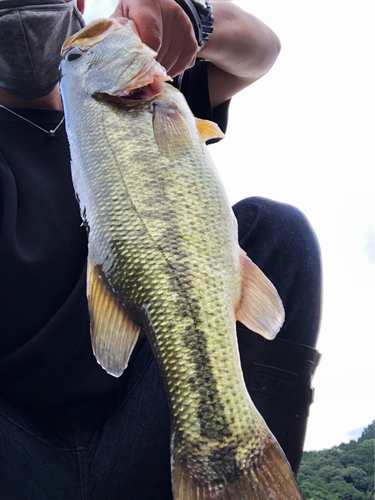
pixel 163 260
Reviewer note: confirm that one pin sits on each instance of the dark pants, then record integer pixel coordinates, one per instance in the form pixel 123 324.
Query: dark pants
pixel 117 447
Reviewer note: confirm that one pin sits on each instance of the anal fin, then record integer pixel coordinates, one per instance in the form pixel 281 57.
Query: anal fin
pixel 260 309
pixel 114 332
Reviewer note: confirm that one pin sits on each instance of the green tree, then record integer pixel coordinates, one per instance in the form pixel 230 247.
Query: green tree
pixel 328 472
pixel 365 456
pixel 344 472
pixel 368 433
pixel 355 476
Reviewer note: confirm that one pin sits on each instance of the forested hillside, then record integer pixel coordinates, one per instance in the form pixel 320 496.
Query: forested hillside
pixel 344 472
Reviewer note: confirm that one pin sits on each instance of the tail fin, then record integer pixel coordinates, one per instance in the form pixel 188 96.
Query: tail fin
pixel 267 476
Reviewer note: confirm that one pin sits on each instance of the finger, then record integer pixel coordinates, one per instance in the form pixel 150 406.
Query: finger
pixel 179 46
pixel 149 28
pixel 177 59
pixel 146 15
pixel 148 19
pixel 180 66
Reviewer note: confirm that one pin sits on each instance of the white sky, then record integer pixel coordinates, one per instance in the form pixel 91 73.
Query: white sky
pixel 304 135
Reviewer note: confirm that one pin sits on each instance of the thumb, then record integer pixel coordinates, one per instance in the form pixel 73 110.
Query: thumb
pixel 118 12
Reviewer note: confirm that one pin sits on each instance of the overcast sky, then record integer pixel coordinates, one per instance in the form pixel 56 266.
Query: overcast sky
pixel 304 135
pixel 307 137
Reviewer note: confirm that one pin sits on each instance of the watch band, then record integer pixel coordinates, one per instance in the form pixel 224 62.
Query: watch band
pixel 201 17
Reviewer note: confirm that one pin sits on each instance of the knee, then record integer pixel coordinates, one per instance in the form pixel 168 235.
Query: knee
pixel 280 240
pixel 266 226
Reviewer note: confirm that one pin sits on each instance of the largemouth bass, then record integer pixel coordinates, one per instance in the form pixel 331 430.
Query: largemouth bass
pixel 164 257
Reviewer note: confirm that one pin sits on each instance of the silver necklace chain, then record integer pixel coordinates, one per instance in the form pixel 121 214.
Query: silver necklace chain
pixel 50 133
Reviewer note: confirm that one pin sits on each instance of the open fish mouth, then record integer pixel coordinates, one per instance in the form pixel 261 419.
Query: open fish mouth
pixel 133 96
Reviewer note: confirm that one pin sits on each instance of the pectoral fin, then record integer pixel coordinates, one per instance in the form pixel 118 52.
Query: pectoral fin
pixel 171 132
pixel 260 309
pixel 114 330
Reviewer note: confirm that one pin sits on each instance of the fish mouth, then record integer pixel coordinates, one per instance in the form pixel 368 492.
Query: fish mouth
pixel 133 96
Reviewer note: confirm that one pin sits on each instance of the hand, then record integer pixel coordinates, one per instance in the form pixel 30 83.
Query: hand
pixel 165 28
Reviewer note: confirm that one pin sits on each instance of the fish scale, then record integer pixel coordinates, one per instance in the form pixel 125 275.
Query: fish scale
pixel 164 256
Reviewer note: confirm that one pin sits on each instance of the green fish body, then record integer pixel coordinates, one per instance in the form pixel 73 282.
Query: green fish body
pixel 164 257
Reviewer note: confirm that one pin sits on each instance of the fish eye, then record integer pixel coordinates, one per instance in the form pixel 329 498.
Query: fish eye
pixel 73 54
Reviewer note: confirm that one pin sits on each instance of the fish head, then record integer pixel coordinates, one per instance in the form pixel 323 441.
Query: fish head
pixel 108 57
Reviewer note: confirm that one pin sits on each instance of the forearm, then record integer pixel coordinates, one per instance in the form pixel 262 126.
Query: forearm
pixel 242 49
pixel 240 44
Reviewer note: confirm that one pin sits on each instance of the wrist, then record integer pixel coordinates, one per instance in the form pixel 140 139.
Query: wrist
pixel 201 17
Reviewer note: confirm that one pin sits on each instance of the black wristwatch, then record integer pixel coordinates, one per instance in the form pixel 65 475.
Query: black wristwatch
pixel 201 17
